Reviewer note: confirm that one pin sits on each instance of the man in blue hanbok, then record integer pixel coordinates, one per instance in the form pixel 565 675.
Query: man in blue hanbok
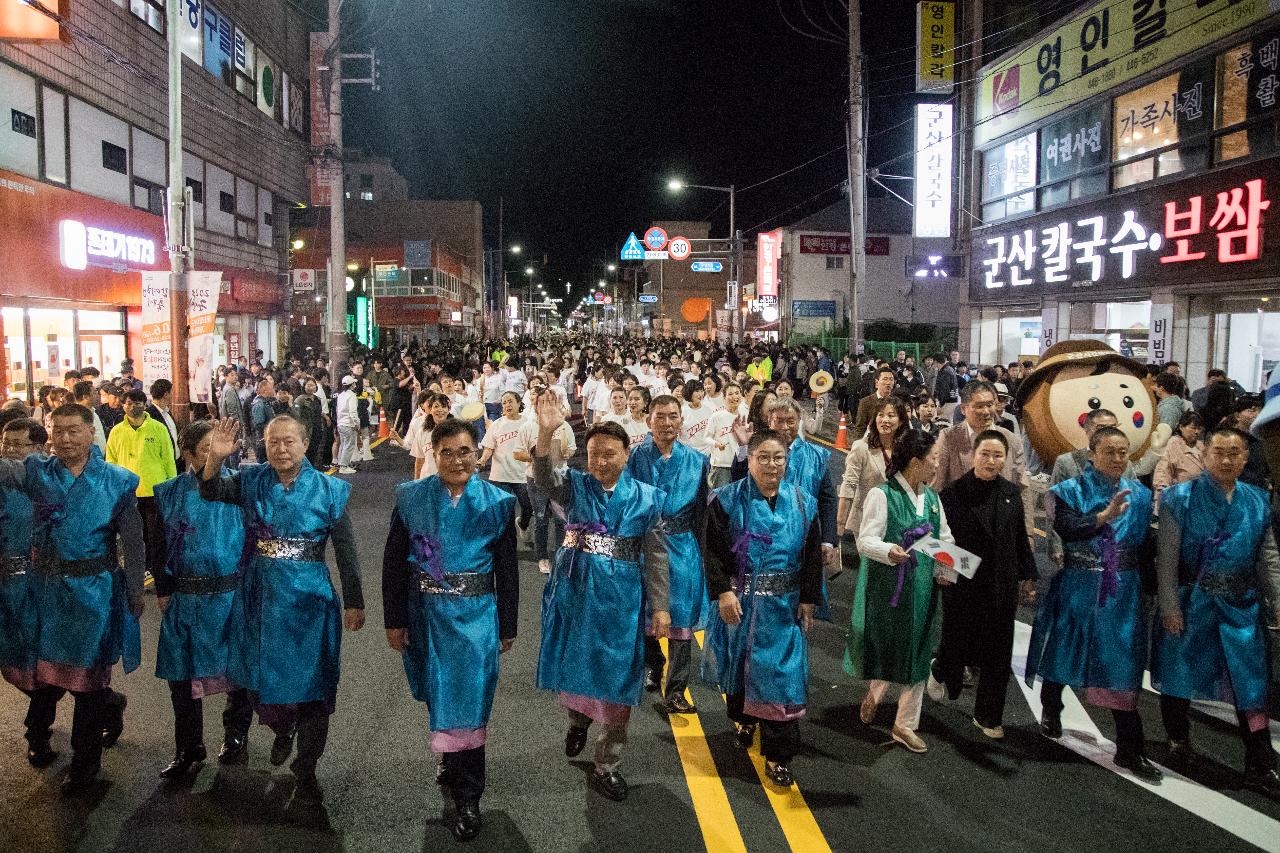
pixel 450 598
pixel 1217 564
pixel 196 578
pixel 1090 631
pixel 611 563
pixel 85 606
pixel 764 565
pixel 681 473
pixel 287 639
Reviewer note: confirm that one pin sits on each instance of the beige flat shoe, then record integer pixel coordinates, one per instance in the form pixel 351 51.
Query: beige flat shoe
pixel 995 733
pixel 867 713
pixel 909 739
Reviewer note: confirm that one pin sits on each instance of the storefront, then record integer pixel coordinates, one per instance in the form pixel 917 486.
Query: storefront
pixel 71 287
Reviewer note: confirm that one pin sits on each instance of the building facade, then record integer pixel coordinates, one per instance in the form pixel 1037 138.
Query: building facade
pixel 84 166
pixel 1127 176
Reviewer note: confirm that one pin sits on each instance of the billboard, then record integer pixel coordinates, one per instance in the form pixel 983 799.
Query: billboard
pixel 768 253
pixel 935 46
pixel 931 213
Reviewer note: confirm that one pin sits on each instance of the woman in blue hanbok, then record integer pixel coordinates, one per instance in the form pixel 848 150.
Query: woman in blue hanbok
pixel 764 565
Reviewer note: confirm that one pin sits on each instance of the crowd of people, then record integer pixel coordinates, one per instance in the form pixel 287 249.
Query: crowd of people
pixel 701 505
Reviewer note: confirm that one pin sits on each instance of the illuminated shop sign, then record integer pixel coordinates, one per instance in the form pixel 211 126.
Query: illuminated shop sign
pixel 932 204
pixel 1202 229
pixel 81 246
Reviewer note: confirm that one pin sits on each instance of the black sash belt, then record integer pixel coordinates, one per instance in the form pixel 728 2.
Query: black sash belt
pixel 196 585
pixel 463 584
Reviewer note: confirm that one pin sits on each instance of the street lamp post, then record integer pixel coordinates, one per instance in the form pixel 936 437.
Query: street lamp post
pixel 735 255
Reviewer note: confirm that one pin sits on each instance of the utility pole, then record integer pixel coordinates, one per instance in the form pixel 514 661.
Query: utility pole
pixel 338 350
pixel 857 176
pixel 178 226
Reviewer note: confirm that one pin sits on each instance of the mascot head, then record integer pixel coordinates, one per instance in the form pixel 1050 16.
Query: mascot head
pixel 1074 378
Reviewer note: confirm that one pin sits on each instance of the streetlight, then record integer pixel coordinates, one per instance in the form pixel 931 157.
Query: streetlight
pixel 515 250
pixel 299 245
pixel 528 271
pixel 612 267
pixel 675 185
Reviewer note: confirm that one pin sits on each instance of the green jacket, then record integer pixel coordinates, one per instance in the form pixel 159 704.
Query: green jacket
pixel 146 450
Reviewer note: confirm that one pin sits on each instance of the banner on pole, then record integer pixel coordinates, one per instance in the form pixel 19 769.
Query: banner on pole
pixel 203 289
pixel 157 338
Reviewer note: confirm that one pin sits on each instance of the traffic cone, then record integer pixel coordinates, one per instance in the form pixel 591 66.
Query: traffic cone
pixel 384 429
pixel 842 434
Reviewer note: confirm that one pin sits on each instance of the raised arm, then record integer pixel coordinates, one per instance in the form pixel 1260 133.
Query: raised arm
pixel 222 444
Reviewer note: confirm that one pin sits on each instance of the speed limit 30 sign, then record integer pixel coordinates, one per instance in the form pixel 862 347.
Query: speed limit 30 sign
pixel 679 248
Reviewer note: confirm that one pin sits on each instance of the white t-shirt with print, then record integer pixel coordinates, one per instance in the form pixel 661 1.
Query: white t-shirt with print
pixel 502 437
pixel 694 432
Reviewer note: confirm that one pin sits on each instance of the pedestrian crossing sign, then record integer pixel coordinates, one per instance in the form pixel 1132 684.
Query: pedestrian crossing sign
pixel 632 250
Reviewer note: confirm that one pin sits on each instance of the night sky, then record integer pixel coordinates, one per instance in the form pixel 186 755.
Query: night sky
pixel 577 112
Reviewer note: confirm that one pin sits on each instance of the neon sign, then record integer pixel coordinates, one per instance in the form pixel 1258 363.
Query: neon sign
pixel 81 246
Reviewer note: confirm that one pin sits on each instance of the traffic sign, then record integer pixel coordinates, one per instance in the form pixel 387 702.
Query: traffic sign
pixel 656 256
pixel 655 239
pixel 706 266
pixel 649 297
pixel 632 250
pixel 679 248
pixel 608 300
pixel 599 296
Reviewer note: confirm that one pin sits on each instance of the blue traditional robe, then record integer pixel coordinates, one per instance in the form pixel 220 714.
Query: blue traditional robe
pixel 593 604
pixel 765 657
pixel 452 660
pixel 83 624
pixel 807 467
pixel 18 617
pixel 1089 631
pixel 1221 653
pixel 683 478
pixel 287 640
pixel 205 545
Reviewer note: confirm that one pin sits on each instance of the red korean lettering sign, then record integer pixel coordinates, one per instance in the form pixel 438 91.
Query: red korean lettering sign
pixel 1236 219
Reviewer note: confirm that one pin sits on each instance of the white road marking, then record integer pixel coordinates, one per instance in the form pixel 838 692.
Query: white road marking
pixel 1081 735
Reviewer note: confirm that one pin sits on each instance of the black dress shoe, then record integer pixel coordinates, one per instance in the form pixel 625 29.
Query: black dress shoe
pixel 1264 780
pixel 1051 727
pixel 1139 766
pixel 442 774
pixel 778 773
pixel 235 750
pixel 307 790
pixel 679 705
pixel 114 725
pixel 1181 755
pixel 184 761
pixel 653 678
pixel 40 756
pixel 574 741
pixel 609 783
pixel 79 778
pixel 744 734
pixel 282 747
pixel 466 823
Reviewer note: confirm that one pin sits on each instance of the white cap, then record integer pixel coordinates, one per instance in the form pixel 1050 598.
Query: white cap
pixel 348 380
pixel 1002 390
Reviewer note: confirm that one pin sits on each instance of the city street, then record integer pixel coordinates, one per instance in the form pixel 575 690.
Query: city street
pixel 690 788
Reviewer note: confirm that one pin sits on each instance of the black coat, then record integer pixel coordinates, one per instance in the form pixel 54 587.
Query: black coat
pixel 986 518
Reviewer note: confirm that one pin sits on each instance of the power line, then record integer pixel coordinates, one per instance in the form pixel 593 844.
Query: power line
pixel 801 32
pixel 795 206
pixel 839 147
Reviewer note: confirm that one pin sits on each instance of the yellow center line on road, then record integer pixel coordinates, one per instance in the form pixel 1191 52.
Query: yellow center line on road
pixel 794 815
pixel 719 827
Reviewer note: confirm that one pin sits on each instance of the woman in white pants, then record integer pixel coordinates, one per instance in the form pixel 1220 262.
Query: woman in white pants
pixel 348 425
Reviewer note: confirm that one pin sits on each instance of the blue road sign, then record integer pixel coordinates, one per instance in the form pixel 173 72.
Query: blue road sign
pixel 648 297
pixel 706 266
pixel 632 250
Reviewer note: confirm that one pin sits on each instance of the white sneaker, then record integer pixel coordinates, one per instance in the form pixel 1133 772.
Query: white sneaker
pixel 544 567
pixel 936 689
pixel 345 470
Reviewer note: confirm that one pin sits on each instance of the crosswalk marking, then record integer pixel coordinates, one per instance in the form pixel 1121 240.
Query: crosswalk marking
pixel 1081 736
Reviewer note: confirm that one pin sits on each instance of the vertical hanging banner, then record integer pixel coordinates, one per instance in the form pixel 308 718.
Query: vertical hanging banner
pixel 935 46
pixel 157 338
pixel 768 252
pixel 203 289
pixel 931 214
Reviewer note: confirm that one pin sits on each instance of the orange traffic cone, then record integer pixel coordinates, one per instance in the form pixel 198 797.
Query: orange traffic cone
pixel 384 428
pixel 842 434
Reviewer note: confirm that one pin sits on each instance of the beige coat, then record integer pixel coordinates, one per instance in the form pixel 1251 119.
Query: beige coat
pixel 864 469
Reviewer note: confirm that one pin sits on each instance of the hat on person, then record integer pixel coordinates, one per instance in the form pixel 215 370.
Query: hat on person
pixel 1002 390
pixel 348 380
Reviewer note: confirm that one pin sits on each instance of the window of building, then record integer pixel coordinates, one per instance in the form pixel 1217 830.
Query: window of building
pixel 1073 157
pixel 227 202
pixel 197 190
pixel 150 11
pixel 244 65
pixel 148 196
pixel 366 182
pixel 1009 173
pixel 1156 129
pixel 835 262
pixel 115 158
pixel 1247 99
pixel 365 195
pixel 23 123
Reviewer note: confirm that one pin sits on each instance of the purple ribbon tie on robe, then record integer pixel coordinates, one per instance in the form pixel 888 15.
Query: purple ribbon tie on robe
pixel 427 549
pixel 46 512
pixel 1209 548
pixel 260 530
pixel 742 551
pixel 1109 555
pixel 583 529
pixel 909 538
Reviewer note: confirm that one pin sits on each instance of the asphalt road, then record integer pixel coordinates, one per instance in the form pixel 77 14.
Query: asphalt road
pixel 690 788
